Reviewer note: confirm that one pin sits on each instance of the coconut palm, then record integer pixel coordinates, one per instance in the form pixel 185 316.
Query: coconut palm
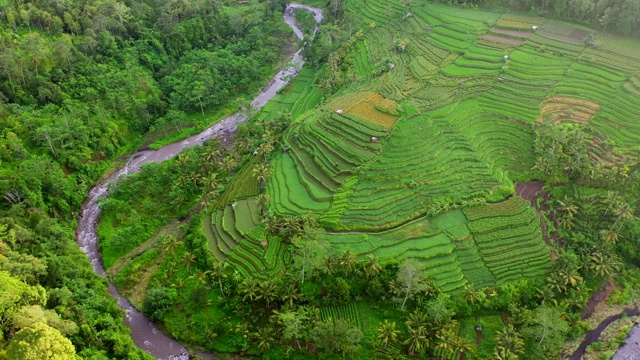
pixel 372 268
pixel 330 263
pixel 571 277
pixel 502 354
pixel 267 291
pixel 463 347
pixel 609 235
pixel 417 319
pixel 509 341
pixel 603 264
pixel 172 244
pixel 387 333
pixel 289 295
pixel 247 288
pixel 264 338
pixel 347 261
pixel 623 212
pixel 200 277
pixel 417 339
pixel 474 296
pixel 575 299
pixel 261 172
pixel 446 341
pixel 189 258
pixel 610 199
pixel 179 284
pixel 219 272
pixel 263 202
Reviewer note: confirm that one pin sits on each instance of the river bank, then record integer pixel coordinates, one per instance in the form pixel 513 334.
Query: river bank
pixel 145 334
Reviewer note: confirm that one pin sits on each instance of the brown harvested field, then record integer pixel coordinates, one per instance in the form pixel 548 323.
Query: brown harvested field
pixel 364 104
pixel 519 33
pixel 501 39
pixel 366 109
pixel 563 38
pixel 583 110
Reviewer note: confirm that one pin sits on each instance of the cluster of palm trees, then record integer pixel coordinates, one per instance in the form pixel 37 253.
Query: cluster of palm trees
pixel 425 334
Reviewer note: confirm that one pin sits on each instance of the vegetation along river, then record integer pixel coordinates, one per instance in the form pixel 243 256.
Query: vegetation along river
pixel 145 334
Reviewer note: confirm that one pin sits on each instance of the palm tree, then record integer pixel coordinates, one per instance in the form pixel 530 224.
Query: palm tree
pixel 446 341
pixel 623 212
pixel 502 354
pixel 417 339
pixel 229 164
pixel 609 235
pixel 265 338
pixel 330 263
pixel 571 277
pixel 372 268
pixel 417 319
pixel 610 199
pixel 261 172
pixel 509 341
pixel 387 333
pixel 348 261
pixel 247 288
pixel 189 258
pixel 556 283
pixel 263 202
pixel 211 183
pixel 603 264
pixel 474 296
pixel 575 299
pixel 172 244
pixel 289 295
pixel 218 273
pixel 200 277
pixel 267 291
pixel 462 347
pixel 179 284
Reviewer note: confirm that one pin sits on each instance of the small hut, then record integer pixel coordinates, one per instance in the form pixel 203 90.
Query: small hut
pixel 339 111
pixel 505 58
pixel 534 28
pixel 374 139
pixel 392 65
pixel 500 80
pixel 255 152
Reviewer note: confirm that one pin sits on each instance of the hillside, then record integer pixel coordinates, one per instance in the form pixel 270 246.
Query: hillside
pixel 437 181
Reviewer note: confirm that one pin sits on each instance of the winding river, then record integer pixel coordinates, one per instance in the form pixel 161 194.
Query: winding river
pixel 145 334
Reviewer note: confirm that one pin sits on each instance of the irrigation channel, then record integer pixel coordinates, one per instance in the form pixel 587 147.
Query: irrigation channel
pixel 145 334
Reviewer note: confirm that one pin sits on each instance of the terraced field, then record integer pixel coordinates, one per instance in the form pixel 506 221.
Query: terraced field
pixel 484 245
pixel 396 163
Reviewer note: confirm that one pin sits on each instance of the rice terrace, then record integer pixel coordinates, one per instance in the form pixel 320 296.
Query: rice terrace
pixel 420 160
pixel 494 150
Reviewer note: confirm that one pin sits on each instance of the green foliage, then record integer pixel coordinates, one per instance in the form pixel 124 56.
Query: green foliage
pixel 40 342
pixel 158 300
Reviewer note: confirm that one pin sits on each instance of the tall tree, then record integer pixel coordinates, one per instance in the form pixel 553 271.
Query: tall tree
pixel 411 280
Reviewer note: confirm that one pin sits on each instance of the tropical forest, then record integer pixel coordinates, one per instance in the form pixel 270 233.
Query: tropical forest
pixel 319 179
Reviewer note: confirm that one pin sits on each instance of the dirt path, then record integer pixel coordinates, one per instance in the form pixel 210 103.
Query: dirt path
pixel 531 191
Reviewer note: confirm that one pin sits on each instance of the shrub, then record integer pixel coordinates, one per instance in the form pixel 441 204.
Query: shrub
pixel 158 300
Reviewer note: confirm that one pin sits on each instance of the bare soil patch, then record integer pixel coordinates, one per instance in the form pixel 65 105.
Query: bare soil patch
pixel 531 191
pixel 519 33
pixel 580 110
pixel 501 39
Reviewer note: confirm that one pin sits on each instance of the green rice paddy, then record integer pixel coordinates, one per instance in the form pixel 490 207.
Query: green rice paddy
pixel 468 88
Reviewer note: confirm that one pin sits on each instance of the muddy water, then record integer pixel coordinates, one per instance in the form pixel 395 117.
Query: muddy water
pixel 145 334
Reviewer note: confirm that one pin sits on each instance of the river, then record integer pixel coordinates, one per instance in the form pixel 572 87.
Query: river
pixel 144 332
